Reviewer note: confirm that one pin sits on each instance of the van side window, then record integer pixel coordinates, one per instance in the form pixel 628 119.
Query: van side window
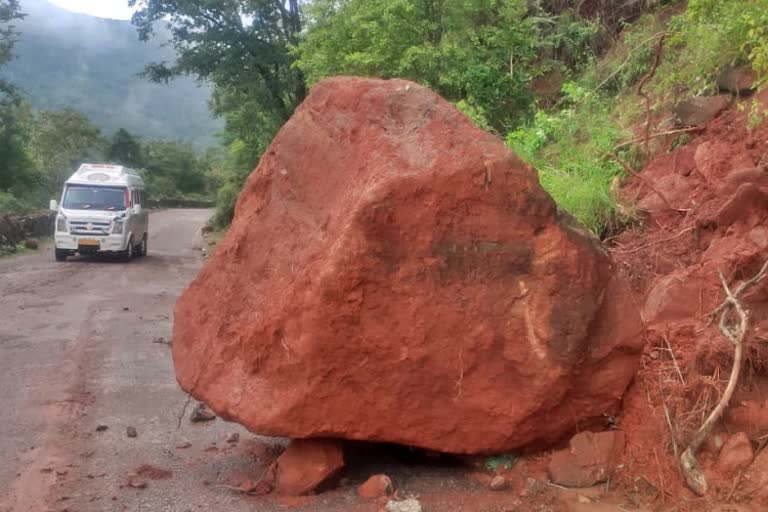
pixel 142 199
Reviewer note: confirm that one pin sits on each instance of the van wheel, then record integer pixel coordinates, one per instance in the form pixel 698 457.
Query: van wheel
pixel 127 254
pixel 61 254
pixel 142 251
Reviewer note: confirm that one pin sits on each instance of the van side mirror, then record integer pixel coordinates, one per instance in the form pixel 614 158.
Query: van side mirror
pixel 136 209
pixel 54 205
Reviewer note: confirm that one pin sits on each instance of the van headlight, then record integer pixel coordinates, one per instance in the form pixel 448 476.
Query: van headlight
pixel 61 223
pixel 117 227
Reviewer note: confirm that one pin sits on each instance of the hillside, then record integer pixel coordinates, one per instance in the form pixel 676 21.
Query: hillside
pixel 64 59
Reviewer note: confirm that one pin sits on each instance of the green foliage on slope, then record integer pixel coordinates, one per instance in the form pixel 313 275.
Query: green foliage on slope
pixel 482 54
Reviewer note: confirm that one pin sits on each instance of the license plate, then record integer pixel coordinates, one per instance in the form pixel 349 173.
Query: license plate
pixel 90 242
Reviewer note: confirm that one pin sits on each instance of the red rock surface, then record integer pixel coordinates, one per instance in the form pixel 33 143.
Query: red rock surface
pixel 737 454
pixel 306 465
pixel 395 274
pixel 591 458
pixel 717 184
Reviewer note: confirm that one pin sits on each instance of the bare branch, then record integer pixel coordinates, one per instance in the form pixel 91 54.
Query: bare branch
pixel 656 60
pixel 692 471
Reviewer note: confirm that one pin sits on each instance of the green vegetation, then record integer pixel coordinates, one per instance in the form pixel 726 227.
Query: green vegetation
pixel 40 149
pixel 560 87
pixel 505 461
pixel 574 145
pixel 243 49
pixel 92 65
pixel 570 148
pixel 480 53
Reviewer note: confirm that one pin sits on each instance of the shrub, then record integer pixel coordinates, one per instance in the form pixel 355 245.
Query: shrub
pixel 11 203
pixel 569 149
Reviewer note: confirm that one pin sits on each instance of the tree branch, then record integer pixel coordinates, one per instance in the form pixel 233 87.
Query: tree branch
pixel 646 78
pixel 692 471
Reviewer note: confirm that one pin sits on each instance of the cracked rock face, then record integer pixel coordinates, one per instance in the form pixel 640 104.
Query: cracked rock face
pixel 394 273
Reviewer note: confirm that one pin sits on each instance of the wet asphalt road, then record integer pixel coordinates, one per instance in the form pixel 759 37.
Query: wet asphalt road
pixel 83 344
pixel 84 355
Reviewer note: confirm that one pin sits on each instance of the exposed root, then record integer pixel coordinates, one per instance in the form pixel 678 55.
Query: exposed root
pixel 735 333
pixel 646 78
pixel 659 134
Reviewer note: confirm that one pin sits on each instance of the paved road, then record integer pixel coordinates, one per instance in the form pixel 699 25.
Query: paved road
pixel 83 346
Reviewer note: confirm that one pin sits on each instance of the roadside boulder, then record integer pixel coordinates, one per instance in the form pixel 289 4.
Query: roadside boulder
pixel 395 274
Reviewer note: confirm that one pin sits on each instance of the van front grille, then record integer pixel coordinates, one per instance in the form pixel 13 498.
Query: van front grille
pixel 94 228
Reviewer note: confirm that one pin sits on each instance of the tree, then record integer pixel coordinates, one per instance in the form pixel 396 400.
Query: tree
pixel 174 170
pixel 241 46
pixel 481 54
pixel 61 141
pixel 18 175
pixel 9 10
pixel 125 149
pixel 17 171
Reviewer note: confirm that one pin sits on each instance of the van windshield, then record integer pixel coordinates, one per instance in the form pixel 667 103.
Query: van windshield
pixel 85 197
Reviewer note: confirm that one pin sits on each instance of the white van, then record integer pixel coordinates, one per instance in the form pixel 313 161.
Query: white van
pixel 103 210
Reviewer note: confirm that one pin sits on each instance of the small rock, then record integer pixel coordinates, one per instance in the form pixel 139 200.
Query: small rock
pixel 409 505
pixel 131 432
pixel 126 308
pixel 591 458
pixel 152 472
pixel 202 413
pixel 101 428
pixel 498 483
pixel 736 454
pixel 533 488
pixel 31 243
pixel 739 80
pixel 161 340
pixel 183 445
pixel 306 464
pixel 137 482
pixel 699 110
pixel 583 499
pixel 375 487
pixel 233 438
pixel 207 228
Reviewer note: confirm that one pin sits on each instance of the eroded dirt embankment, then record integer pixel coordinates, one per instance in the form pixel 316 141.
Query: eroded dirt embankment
pixel 717 186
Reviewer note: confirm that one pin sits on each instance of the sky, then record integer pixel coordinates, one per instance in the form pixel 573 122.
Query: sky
pixel 115 9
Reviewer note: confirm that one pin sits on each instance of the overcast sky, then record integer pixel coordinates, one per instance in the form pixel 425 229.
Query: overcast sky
pixel 115 9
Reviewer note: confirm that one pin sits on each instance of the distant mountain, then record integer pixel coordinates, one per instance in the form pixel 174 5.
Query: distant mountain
pixel 65 59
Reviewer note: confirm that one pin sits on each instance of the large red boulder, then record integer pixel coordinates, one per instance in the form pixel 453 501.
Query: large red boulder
pixel 394 273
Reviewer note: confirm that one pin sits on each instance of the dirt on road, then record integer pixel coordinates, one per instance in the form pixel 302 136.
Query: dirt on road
pixel 83 346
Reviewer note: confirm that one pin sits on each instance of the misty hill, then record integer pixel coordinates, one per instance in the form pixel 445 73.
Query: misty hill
pixel 65 59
